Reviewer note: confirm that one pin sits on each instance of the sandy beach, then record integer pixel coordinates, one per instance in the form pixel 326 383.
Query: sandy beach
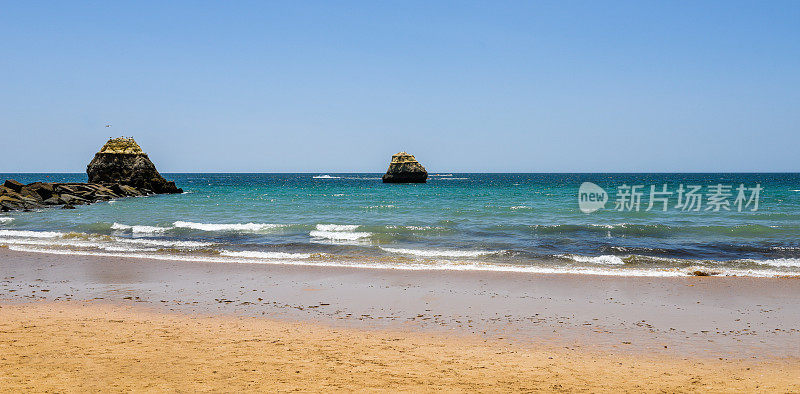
pixel 83 346
pixel 122 323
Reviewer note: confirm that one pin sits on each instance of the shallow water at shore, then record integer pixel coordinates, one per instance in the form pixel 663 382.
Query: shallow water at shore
pixel 496 222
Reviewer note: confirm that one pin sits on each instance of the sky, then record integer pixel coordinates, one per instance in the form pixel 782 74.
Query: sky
pixel 322 86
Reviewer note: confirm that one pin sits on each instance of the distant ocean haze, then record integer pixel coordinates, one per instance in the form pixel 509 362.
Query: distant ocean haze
pixel 497 222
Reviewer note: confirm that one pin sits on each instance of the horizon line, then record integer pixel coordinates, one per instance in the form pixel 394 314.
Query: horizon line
pixel 444 172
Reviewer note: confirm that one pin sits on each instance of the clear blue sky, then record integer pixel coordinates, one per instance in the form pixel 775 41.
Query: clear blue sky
pixel 303 86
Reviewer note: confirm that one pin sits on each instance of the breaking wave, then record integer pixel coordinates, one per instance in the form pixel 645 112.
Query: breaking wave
pixel 139 229
pixel 339 232
pixel 30 234
pixel 607 259
pixel 781 263
pixel 247 227
pixel 337 227
pixel 339 235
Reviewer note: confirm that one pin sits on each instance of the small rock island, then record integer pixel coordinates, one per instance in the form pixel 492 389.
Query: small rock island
pixel 120 169
pixel 404 168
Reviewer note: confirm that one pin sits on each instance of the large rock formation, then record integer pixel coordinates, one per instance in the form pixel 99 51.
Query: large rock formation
pixel 120 169
pixel 404 168
pixel 122 161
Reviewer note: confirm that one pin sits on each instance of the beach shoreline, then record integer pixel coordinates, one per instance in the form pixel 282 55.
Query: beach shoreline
pixel 93 322
pixel 706 317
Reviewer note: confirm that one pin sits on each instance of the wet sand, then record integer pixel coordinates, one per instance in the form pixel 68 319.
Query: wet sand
pixel 715 326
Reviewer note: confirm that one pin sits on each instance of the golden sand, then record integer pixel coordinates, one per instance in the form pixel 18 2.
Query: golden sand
pixel 84 346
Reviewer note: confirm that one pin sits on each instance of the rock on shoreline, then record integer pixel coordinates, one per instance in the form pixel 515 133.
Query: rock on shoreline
pixel 404 168
pixel 120 169
pixel 15 196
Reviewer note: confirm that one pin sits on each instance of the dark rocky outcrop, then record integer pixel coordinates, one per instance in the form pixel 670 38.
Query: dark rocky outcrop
pixel 122 161
pixel 404 168
pixel 13 185
pixel 119 170
pixel 39 195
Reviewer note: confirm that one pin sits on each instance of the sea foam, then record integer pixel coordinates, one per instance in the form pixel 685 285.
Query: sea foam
pixel 164 243
pixel 450 266
pixel 604 259
pixel 409 267
pixel 782 263
pixel 441 253
pixel 83 240
pixel 30 234
pixel 337 227
pixel 265 255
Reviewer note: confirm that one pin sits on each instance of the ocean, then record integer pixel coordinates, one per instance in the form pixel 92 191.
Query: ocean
pixel 493 222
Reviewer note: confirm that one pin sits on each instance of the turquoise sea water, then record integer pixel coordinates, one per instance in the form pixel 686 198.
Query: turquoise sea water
pixel 510 222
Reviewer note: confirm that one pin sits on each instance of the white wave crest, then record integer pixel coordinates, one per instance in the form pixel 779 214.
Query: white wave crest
pixel 340 235
pixel 441 253
pixel 30 234
pixel 4 220
pixel 139 229
pixel 604 259
pixel 326 177
pixel 337 227
pixel 339 232
pixel 249 227
pixel 783 262
pixel 265 255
